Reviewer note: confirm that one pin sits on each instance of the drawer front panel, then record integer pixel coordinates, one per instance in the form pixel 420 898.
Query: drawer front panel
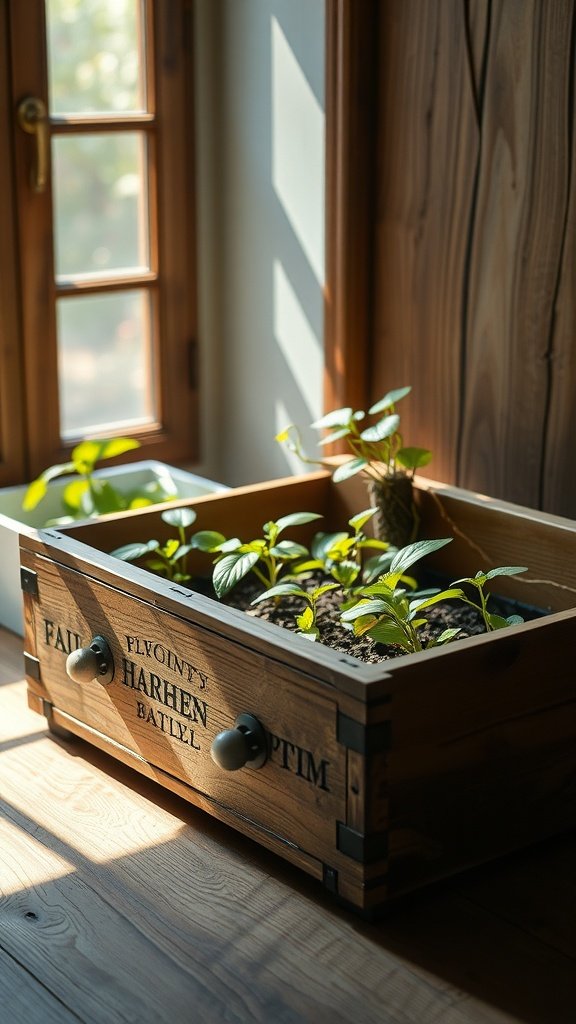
pixel 176 686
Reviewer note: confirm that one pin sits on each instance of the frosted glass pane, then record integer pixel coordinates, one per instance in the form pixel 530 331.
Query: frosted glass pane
pixel 95 58
pixel 100 196
pixel 104 362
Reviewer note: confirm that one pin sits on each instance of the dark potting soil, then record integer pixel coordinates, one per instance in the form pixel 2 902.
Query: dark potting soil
pixel 446 615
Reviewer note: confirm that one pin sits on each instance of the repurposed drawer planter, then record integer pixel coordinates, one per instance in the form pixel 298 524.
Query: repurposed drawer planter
pixel 375 779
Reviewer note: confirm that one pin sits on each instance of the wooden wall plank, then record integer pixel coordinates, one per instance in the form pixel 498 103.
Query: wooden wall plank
pixel 516 247
pixel 558 477
pixel 427 154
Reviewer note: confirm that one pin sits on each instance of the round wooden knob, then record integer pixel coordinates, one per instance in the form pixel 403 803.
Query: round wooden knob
pixel 93 662
pixel 245 744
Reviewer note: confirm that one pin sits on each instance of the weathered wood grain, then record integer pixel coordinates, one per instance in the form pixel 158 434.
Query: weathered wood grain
pixel 516 249
pixel 25 1001
pixel 474 240
pixel 427 152
pixel 558 477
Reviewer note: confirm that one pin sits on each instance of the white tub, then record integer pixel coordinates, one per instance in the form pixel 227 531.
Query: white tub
pixel 13 519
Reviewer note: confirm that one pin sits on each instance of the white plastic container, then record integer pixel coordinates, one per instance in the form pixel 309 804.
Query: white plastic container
pixel 14 520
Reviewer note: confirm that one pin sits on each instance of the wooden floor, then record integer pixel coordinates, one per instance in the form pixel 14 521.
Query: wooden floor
pixel 119 902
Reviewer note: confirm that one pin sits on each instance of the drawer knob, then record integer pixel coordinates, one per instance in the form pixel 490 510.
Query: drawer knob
pixel 245 744
pixel 93 662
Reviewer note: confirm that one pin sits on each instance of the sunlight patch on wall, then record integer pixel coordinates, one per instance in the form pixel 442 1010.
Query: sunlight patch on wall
pixel 298 343
pixel 298 150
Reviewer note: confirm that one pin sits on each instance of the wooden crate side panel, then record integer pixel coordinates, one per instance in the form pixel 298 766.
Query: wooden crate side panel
pixel 483 751
pixel 489 533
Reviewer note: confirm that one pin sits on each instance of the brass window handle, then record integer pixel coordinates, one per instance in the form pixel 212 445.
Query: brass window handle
pixel 33 119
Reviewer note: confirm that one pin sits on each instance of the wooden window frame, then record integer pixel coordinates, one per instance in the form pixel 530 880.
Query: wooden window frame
pixel 29 428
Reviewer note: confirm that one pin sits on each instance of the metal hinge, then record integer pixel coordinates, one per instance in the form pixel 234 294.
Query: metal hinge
pixel 29 581
pixel 360 847
pixel 363 739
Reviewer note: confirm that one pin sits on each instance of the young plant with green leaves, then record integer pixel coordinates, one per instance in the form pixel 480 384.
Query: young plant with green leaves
pixel 340 554
pixel 377 450
pixel 169 559
pixel 388 614
pixel 91 495
pixel 306 621
pixel 478 583
pixel 266 557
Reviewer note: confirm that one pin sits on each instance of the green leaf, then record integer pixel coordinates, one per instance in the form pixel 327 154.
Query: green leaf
pixel 74 498
pixel 230 545
pixel 515 620
pixel 130 552
pixel 336 418
pixel 428 602
pixel 387 632
pixel 117 446
pixel 86 454
pixel 377 607
pixel 378 565
pixel 37 489
pixel 319 591
pixel 361 518
pixel 348 469
pixel 384 428
pixel 413 458
pixel 296 519
pixel 506 570
pixel 179 517
pixel 282 590
pixel 305 621
pixel 289 549
pixel 106 498
pixel 170 548
pixel 322 543
pixel 414 552
pixel 231 569
pixel 497 622
pixel 140 502
pixel 445 637
pixel 207 540
pixel 336 435
pixel 390 399
pixel 34 494
pixel 307 566
pixel 346 572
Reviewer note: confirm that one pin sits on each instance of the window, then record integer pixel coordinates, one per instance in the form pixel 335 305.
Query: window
pixel 97 299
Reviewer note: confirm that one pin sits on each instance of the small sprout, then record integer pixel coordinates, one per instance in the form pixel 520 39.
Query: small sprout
pixel 306 621
pixel 168 559
pixel 478 582
pixel 266 557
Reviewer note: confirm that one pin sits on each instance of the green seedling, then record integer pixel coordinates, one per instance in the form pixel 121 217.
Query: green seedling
pixel 376 449
pixel 386 612
pixel 91 495
pixel 306 621
pixel 171 558
pixel 478 582
pixel 266 557
pixel 340 554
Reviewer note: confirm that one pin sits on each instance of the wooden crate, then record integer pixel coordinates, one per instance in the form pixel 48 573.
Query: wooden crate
pixel 378 779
